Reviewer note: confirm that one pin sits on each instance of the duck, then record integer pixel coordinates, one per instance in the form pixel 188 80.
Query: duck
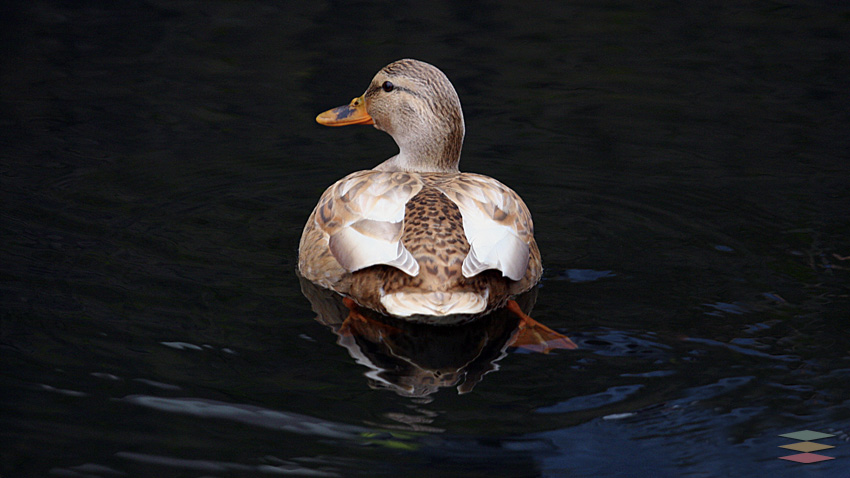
pixel 413 237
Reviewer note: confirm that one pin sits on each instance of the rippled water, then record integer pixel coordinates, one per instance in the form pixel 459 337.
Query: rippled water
pixel 687 170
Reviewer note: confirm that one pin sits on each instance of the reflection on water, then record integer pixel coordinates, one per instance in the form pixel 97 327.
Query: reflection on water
pixel 416 360
pixel 685 165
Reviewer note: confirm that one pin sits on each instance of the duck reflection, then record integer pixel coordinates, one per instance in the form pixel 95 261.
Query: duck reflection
pixel 415 359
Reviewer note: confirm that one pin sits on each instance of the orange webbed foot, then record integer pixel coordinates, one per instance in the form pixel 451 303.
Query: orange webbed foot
pixel 358 324
pixel 536 337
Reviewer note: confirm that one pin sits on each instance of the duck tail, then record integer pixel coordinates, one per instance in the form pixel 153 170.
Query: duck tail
pixel 405 304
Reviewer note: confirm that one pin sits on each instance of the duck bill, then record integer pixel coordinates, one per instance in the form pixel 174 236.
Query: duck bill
pixel 352 113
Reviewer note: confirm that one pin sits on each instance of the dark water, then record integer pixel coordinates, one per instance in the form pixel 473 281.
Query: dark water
pixel 687 168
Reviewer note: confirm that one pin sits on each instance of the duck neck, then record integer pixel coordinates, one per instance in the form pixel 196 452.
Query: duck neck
pixel 437 151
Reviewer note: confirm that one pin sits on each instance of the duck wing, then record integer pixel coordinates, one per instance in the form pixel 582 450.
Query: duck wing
pixel 497 224
pixel 362 216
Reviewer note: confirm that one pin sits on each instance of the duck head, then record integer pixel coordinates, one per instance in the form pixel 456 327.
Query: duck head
pixel 416 104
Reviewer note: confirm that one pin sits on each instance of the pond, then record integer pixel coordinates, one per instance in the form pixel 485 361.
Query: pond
pixel 686 166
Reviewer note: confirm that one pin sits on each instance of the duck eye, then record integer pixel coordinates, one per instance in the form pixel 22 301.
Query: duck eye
pixel 388 86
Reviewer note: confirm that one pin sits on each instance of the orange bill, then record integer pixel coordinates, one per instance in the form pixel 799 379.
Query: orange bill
pixel 352 113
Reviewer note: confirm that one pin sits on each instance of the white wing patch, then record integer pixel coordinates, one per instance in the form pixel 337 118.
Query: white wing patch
pixel 363 215
pixel 497 224
pixel 494 248
pixel 355 250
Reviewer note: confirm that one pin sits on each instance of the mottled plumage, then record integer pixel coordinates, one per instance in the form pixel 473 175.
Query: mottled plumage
pixel 414 236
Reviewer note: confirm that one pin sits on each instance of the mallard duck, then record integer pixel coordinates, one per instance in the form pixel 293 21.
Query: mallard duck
pixel 414 236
